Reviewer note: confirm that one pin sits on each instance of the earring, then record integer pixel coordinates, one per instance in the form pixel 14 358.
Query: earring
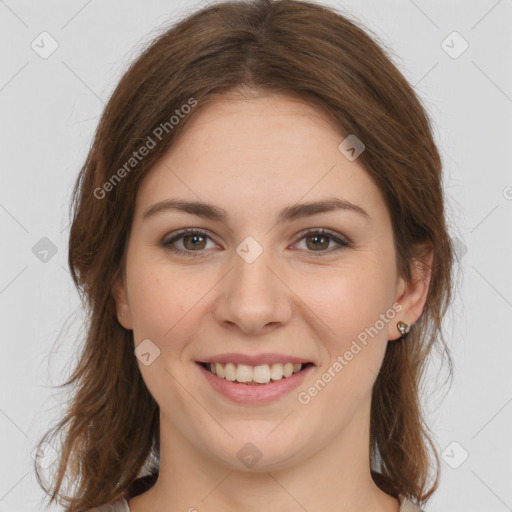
pixel 403 328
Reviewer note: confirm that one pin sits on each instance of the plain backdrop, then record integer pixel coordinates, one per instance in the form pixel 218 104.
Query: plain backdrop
pixel 456 54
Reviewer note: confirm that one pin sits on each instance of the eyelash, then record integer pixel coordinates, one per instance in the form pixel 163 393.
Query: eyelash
pixel 167 244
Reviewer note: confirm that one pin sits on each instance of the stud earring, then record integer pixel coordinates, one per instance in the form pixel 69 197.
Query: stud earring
pixel 403 328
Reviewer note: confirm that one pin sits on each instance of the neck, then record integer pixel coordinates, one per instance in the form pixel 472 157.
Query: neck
pixel 336 477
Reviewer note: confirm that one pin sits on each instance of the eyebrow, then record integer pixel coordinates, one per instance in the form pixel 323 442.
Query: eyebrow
pixel 287 214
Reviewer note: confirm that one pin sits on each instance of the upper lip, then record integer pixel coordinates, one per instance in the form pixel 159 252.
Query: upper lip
pixel 255 360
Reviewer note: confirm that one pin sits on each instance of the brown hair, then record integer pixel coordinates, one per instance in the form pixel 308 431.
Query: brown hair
pixel 111 427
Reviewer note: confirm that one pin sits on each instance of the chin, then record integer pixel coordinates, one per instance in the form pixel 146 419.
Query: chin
pixel 257 453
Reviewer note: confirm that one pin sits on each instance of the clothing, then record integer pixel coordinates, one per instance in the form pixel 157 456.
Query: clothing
pixel 121 505
pixel 406 505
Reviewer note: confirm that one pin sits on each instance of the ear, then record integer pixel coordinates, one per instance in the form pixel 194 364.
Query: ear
pixel 412 295
pixel 124 316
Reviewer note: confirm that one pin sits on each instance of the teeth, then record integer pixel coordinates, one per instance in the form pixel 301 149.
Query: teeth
pixel 230 372
pixel 288 369
pixel 243 373
pixel 261 374
pixel 218 370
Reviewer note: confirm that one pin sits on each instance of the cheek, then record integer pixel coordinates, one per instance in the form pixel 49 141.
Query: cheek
pixel 347 300
pixel 163 310
pixel 153 301
pixel 164 302
pixel 351 305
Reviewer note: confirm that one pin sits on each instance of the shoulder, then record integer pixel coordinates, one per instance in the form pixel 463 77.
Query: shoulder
pixel 120 505
pixel 137 487
pixel 406 505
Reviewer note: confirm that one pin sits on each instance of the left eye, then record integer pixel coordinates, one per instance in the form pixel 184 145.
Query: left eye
pixel 194 241
pixel 321 239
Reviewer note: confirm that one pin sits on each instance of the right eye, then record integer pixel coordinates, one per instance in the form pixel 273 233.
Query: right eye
pixel 192 237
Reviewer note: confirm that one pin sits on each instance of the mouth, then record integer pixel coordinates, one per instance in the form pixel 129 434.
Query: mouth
pixel 259 375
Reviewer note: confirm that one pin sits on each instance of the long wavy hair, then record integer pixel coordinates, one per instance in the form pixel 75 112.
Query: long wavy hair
pixel 109 434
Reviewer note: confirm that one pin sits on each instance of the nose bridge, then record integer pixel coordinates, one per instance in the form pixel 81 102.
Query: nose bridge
pixel 252 278
pixel 252 269
pixel 252 296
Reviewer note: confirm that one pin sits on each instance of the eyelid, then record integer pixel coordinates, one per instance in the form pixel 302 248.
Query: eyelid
pixel 167 241
pixel 325 231
pixel 342 242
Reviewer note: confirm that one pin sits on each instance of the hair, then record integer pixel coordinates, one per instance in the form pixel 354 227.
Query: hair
pixel 110 432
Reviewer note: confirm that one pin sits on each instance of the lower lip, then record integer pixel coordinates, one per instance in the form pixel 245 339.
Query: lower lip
pixel 261 393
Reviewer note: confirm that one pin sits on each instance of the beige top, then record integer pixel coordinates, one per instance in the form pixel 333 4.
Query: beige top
pixel 121 505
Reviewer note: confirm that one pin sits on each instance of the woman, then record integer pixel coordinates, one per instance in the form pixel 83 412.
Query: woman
pixel 260 237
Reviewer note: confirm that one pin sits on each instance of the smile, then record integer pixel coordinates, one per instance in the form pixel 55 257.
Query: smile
pixel 254 385
pixel 253 375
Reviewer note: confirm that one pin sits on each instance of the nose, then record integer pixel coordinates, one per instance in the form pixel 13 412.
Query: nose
pixel 253 297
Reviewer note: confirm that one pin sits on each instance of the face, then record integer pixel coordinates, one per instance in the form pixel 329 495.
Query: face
pixel 261 286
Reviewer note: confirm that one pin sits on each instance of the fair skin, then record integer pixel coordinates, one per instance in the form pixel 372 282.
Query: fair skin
pixel 253 157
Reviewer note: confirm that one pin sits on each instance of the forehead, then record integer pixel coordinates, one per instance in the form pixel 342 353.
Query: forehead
pixel 253 121
pixel 258 154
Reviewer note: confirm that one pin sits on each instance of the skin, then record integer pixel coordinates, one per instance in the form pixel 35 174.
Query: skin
pixel 252 157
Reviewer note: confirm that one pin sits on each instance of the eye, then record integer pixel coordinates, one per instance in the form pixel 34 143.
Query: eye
pixel 194 242
pixel 321 239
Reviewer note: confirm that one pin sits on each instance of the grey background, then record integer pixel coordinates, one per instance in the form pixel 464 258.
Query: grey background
pixel 49 109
